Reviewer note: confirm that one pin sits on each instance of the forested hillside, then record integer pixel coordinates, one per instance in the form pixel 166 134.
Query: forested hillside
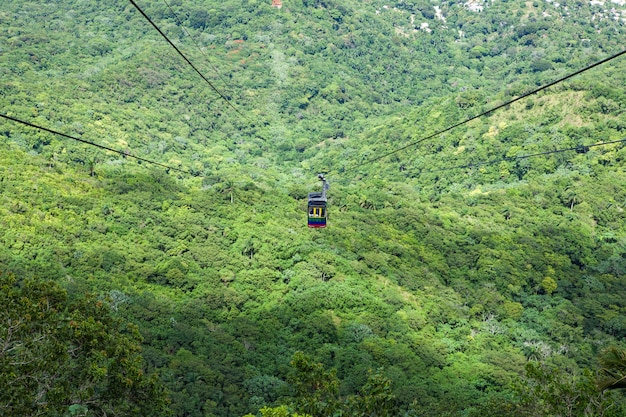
pixel 463 276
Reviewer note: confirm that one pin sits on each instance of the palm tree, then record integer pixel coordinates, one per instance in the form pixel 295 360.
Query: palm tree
pixel 613 372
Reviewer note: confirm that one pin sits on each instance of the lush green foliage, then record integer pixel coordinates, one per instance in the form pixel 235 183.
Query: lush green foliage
pixel 62 357
pixel 316 392
pixel 444 282
pixel 613 372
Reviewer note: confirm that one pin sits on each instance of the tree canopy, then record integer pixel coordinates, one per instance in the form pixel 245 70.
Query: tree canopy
pixel 459 276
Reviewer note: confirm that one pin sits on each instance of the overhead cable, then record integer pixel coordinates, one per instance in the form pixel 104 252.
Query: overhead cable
pixel 218 92
pixel 106 148
pixel 579 149
pixel 179 21
pixel 493 109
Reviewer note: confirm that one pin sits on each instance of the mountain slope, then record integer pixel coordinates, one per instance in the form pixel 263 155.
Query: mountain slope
pixel 447 280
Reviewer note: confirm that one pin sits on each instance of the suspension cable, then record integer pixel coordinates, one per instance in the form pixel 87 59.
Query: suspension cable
pixel 179 21
pixel 218 92
pixel 86 142
pixel 535 91
pixel 579 149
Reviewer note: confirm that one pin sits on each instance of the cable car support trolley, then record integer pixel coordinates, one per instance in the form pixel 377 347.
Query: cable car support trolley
pixel 317 206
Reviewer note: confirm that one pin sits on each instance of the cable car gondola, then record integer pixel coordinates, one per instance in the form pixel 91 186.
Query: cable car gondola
pixel 317 206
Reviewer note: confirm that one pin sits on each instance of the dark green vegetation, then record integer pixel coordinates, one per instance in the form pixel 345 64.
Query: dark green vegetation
pixel 483 291
pixel 60 355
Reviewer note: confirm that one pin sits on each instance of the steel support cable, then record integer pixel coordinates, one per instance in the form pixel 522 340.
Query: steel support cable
pixel 579 149
pixel 218 92
pixel 194 41
pixel 86 142
pixel 417 142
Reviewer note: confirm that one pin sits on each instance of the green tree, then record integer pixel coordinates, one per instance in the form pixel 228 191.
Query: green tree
pixel 375 399
pixel 61 356
pixel 280 411
pixel 549 285
pixel 317 392
pixel 315 388
pixel 613 369
pixel 550 390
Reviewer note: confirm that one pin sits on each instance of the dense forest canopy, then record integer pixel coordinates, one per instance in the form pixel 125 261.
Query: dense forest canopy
pixel 456 277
